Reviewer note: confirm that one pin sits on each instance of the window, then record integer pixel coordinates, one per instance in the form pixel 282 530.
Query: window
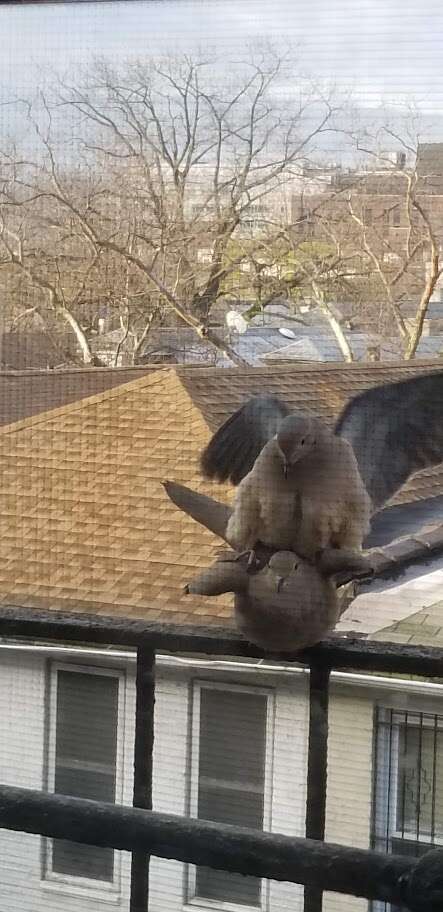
pixel 367 216
pixel 390 256
pixel 396 216
pixel 204 255
pixel 230 778
pixel 408 787
pixel 83 755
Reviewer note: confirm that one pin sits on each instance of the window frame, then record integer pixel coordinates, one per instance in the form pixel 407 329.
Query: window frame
pixel 75 884
pixel 192 901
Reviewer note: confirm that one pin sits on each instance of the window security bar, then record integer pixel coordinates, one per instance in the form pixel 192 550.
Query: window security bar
pixel 412 884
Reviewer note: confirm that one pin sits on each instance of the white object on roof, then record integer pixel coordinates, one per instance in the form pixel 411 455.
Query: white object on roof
pixel 287 333
pixel 236 322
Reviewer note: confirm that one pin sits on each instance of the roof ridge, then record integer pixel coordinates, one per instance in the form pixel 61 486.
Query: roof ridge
pixel 322 367
pixel 64 371
pixel 148 367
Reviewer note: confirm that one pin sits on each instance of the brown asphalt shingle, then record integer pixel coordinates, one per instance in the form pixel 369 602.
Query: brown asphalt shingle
pixel 28 392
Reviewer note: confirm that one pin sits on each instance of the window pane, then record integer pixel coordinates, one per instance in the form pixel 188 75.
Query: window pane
pixel 420 787
pixel 232 736
pixel 85 761
pixel 396 216
pixel 224 887
pixel 84 784
pixel 82 861
pixel 87 717
pixel 231 780
pixel 225 806
pixel 408 786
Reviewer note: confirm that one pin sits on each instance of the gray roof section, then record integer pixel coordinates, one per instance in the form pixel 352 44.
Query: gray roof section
pixel 404 519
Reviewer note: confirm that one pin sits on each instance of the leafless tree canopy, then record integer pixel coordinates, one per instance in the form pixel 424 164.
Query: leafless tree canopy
pixel 132 204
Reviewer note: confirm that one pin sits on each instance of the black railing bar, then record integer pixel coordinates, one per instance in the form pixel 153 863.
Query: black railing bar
pixel 319 678
pixel 143 750
pixel 356 872
pixel 336 652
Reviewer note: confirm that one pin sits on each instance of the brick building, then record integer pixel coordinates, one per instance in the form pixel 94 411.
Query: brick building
pixel 384 214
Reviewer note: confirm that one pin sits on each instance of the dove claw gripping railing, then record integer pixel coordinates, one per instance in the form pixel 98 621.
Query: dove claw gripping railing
pixel 405 882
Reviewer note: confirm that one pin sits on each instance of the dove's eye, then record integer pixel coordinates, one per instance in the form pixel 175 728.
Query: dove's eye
pixel 303 442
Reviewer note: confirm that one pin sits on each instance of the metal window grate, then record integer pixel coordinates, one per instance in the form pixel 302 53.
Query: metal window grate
pixel 408 785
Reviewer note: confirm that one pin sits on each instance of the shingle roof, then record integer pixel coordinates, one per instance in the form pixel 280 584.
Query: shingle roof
pixel 85 524
pixel 423 628
pixel 28 392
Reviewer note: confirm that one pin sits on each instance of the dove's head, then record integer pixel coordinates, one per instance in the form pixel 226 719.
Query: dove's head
pixel 296 439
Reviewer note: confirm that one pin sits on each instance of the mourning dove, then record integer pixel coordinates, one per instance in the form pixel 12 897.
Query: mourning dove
pixel 285 605
pixel 303 493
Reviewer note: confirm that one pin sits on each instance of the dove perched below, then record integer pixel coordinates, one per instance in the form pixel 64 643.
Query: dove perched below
pixel 303 487
pixel 285 605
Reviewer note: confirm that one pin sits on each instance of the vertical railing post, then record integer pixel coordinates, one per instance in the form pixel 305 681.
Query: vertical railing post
pixel 143 747
pixel 317 769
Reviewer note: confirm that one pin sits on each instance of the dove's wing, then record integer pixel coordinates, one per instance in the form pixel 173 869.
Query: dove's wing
pixel 233 449
pixel 395 431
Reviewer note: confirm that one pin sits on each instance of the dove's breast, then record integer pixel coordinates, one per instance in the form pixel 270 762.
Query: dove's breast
pixel 279 517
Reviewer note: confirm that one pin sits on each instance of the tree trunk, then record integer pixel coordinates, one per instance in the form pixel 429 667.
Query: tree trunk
pixel 341 339
pixel 88 357
pixel 416 333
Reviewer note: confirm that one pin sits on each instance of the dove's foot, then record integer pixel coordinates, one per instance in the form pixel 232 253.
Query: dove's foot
pixel 280 582
pixel 252 560
pixel 223 554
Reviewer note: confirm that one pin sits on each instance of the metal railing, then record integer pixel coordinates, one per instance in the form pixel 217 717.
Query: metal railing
pixel 413 884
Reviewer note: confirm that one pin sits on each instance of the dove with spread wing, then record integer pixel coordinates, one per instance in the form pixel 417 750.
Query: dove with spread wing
pixel 304 487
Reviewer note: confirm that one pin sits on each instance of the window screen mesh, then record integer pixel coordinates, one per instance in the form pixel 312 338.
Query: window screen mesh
pixel 203 201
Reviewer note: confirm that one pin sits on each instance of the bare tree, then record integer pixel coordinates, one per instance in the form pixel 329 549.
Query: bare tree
pixel 167 164
pixel 383 225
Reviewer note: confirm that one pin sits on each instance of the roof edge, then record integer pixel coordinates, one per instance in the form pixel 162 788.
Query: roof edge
pixel 323 367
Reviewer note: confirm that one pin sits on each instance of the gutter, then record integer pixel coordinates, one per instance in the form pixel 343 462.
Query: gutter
pixel 119 657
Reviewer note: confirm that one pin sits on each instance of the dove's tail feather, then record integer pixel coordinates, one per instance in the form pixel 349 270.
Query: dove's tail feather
pixel 232 451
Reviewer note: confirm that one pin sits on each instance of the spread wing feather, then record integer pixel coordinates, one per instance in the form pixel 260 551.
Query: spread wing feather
pixel 232 451
pixel 395 430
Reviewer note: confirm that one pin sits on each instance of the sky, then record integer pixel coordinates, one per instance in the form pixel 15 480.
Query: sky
pixel 382 51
